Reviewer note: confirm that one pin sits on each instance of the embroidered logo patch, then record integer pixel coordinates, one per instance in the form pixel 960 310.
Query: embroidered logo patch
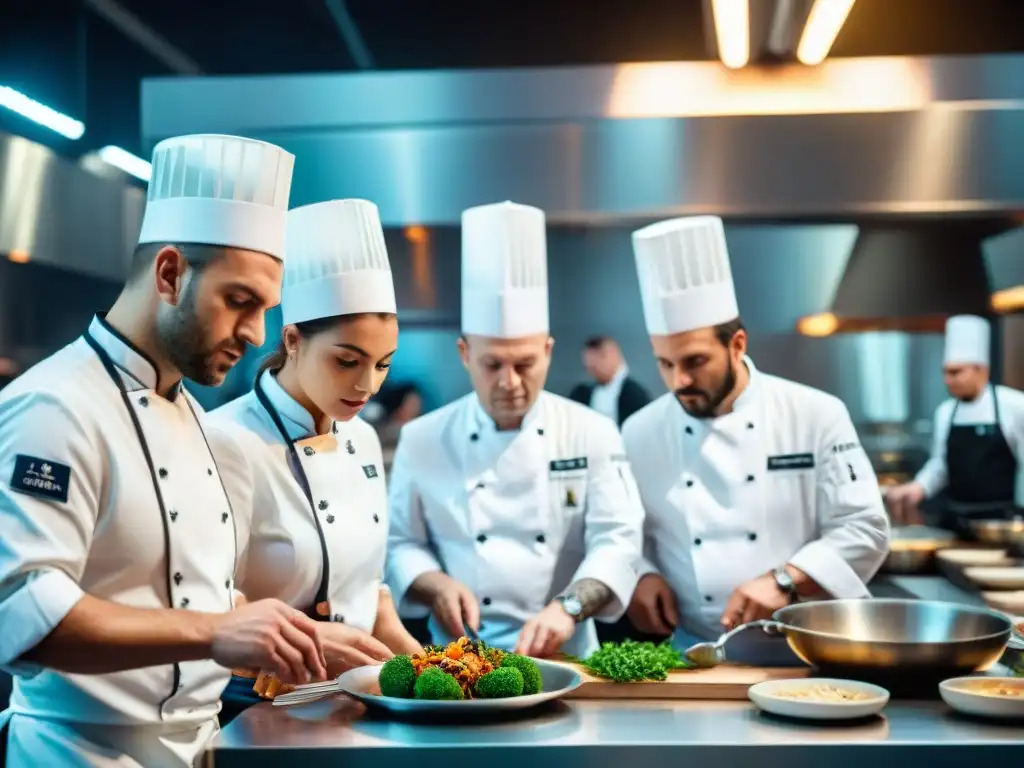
pixel 570 498
pixel 567 465
pixel 39 477
pixel 791 461
pixel 370 470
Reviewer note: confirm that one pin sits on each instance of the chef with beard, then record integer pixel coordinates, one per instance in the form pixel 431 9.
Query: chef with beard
pixel 117 552
pixel 977 439
pixel 513 510
pixel 756 489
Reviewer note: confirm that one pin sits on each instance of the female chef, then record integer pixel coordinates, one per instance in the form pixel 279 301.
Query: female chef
pixel 313 480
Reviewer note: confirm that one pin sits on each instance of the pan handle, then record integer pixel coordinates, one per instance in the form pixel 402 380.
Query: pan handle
pixel 773 628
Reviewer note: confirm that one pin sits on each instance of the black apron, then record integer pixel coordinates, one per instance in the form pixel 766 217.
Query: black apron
pixel 982 472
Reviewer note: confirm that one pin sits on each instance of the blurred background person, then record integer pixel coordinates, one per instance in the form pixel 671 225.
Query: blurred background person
pixel 613 392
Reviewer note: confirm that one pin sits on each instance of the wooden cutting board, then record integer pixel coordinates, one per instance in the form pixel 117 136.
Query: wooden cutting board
pixel 726 682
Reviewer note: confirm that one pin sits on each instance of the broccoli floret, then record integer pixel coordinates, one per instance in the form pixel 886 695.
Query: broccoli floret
pixel 437 685
pixel 528 668
pixel 500 683
pixel 397 677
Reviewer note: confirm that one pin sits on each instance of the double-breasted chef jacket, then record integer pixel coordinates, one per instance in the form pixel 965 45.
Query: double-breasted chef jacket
pixel 324 557
pixel 107 489
pixel 515 516
pixel 780 479
pixel 978 450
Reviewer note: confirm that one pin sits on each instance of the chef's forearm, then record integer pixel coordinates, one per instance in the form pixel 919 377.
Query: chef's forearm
pixel 592 594
pixel 804 584
pixel 98 637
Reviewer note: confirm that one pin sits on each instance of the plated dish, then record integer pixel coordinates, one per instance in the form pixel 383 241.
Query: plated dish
pixel 819 698
pixel 1001 697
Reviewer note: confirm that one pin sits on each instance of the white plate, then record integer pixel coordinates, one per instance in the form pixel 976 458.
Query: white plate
pixel 766 696
pixel 955 693
pixel 556 681
pixel 997 578
pixel 1011 602
pixel 966 556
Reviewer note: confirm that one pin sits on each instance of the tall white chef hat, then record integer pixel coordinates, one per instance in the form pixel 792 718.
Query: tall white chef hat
pixel 504 271
pixel 219 190
pixel 685 278
pixel 967 340
pixel 337 262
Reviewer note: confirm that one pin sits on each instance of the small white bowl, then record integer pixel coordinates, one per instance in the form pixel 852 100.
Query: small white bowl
pixel 957 693
pixel 766 697
pixel 996 578
pixel 968 556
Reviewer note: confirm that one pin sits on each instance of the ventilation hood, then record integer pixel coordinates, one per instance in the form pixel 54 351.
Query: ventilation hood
pixel 908 278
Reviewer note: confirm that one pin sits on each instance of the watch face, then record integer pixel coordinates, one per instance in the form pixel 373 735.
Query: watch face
pixel 572 605
pixel 784 580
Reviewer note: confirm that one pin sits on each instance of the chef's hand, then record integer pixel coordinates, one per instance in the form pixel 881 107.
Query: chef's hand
pixel 757 599
pixel 348 647
pixel 546 632
pixel 904 502
pixel 452 603
pixel 270 635
pixel 653 607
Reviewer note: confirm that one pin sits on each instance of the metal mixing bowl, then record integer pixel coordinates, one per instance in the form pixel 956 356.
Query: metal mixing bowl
pixel 999 531
pixel 882 634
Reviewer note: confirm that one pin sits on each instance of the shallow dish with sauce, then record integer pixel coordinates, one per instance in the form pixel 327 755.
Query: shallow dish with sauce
pixel 819 698
pixel 985 696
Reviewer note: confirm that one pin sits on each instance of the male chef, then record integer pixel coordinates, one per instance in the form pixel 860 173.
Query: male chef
pixel 513 510
pixel 977 438
pixel 756 489
pixel 117 550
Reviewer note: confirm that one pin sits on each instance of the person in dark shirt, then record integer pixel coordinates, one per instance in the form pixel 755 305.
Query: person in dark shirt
pixel 613 392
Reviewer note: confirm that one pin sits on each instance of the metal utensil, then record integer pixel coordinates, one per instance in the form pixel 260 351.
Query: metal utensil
pixel 470 632
pixel 308 692
pixel 880 634
pixel 713 654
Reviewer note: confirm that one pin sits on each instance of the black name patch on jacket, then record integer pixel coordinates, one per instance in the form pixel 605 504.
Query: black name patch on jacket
pixel 370 470
pixel 40 477
pixel 791 461
pixel 567 465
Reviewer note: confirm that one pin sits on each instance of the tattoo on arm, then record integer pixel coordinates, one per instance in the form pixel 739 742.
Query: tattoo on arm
pixel 592 594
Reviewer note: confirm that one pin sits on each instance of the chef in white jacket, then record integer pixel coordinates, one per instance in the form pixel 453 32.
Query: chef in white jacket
pixel 756 489
pixel 513 510
pixel 117 550
pixel 312 504
pixel 977 438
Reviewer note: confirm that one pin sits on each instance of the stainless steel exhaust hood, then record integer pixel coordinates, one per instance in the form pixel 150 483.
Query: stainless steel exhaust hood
pixel 908 278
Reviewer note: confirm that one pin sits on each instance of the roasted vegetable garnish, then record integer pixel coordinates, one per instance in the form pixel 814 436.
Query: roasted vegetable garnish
pixel 465 663
pixel 501 683
pixel 630 661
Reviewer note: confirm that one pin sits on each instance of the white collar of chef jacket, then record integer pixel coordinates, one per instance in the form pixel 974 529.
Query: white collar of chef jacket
pixel 296 419
pixel 139 367
pixel 744 402
pixel 480 423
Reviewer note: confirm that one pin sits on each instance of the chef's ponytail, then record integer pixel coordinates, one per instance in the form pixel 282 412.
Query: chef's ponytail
pixel 275 360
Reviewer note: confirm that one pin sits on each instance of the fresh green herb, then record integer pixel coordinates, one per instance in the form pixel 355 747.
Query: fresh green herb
pixel 630 661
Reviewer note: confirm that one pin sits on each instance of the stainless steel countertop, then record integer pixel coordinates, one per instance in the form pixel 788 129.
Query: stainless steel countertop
pixel 597 734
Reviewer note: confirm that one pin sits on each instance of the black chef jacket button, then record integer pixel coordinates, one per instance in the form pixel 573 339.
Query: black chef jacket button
pixel 223 517
pixel 689 483
pixel 330 518
pixel 184 602
pixel 689 430
pixel 480 485
pixel 376 517
pixel 750 425
pixel 481 538
pixel 752 536
pixel 162 472
pixel 474 437
pixel 334 428
pixel 540 538
pixel 540 430
pixel 696 542
pixel 708 599
pixel 174 515
pixel 338 618
pixel 486 601
pixel 143 401
pixel 209 472
pixel 227 584
pixel 308 451
pixel 750 478
pixel 322 505
pixel 177 578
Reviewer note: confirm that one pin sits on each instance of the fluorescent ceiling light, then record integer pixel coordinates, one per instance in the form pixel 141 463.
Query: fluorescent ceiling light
pixel 732 31
pixel 823 24
pixel 126 161
pixel 40 113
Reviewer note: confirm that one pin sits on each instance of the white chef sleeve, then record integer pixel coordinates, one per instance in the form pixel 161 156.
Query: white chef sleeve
pixel 410 553
pixel 852 523
pixel 933 476
pixel 613 519
pixel 51 479
pixel 240 483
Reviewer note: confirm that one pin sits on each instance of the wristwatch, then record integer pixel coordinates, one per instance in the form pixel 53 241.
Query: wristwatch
pixel 784 582
pixel 571 605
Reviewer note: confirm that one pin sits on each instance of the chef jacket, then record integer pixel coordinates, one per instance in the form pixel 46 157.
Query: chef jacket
pixel 107 489
pixel 515 516
pixel 282 537
pixel 980 412
pixel 780 479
